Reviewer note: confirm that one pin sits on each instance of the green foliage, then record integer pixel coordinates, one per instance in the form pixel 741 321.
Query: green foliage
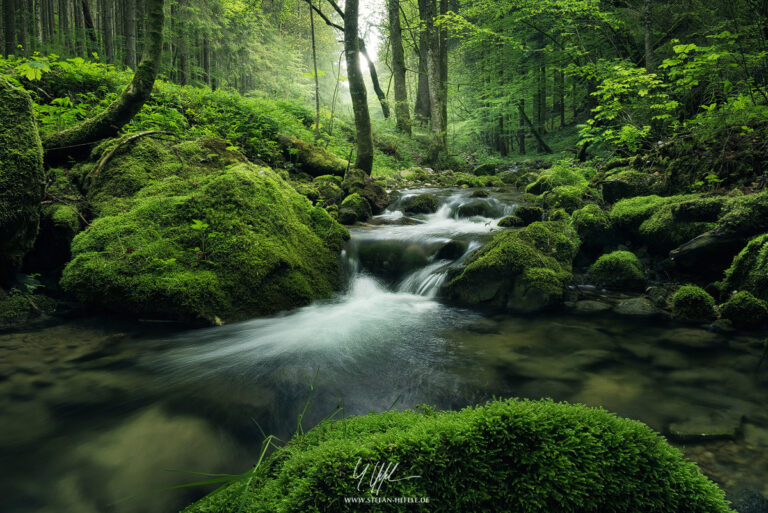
pixel 618 270
pixel 693 303
pixel 745 311
pixel 515 455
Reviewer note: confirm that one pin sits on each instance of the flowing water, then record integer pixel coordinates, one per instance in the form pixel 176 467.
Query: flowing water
pixel 97 410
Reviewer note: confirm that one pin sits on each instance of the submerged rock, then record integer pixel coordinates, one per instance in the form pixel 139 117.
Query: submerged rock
pixel 706 427
pixel 21 178
pixel 638 306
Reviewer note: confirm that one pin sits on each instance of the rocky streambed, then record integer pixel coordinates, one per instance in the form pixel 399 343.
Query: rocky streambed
pixel 93 411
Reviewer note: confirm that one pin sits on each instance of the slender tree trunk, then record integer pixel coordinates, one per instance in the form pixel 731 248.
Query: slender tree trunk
pixel 130 33
pixel 106 28
pixel 422 109
pixel 38 24
pixel 364 159
pixel 398 68
pixel 77 14
pixel 437 139
pixel 317 79
pixel 9 15
pixel 23 28
pixel 107 123
pixel 560 96
pixel 650 59
pixel 374 79
pixel 521 130
pixel 207 62
pixel 64 39
pixel 90 27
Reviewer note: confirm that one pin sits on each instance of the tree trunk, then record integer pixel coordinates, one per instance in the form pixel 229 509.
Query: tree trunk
pixel 521 130
pixel 9 15
pixel 39 24
pixel 107 123
pixel 207 62
pixel 364 159
pixel 536 134
pixel 130 33
pixel 374 79
pixel 437 128
pixel 398 68
pixel 422 108
pixel 106 28
pixel 650 60
pixel 560 96
pixel 317 79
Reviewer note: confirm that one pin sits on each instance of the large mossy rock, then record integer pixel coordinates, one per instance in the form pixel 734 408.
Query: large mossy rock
pixel 227 245
pixel 508 455
pixel 594 227
pixel 311 159
pixel 749 270
pixel 522 271
pixel 357 181
pixel 21 177
pixel 628 184
pixel 618 270
pixel 692 303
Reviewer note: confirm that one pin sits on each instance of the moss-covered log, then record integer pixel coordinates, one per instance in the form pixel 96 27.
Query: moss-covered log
pixel 78 139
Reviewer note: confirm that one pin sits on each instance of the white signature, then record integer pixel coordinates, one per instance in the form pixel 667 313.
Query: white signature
pixel 379 474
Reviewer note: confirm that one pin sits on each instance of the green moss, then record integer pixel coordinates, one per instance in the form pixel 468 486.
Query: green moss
pixel 594 227
pixel 511 222
pixel 693 303
pixel 420 204
pixel 229 245
pixel 562 174
pixel 512 455
pixel 567 197
pixel 523 270
pixel 662 232
pixel 328 189
pixel 553 238
pixel 628 183
pixel 311 159
pixel 745 311
pixel 354 208
pixel 529 214
pixel 618 270
pixel 749 270
pixel 21 177
pixel 17 307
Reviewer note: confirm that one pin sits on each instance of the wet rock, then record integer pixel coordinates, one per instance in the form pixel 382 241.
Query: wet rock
pixel 511 222
pixel 706 427
pixel 485 170
pixel 590 306
pixel 756 435
pixel 421 204
pixel 638 306
pixel 399 221
pixel 451 250
pixel 529 214
pixel 748 500
pixel 483 327
pixel 692 338
pixel 480 193
pixel 476 208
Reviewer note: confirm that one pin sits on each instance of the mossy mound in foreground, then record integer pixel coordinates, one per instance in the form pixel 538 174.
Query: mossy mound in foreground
pixel 226 245
pixel 512 455
pixel 618 270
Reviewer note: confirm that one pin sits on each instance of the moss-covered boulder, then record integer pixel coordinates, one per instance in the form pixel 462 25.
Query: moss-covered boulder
pixel 567 197
pixel 232 244
pixel 357 181
pixel 426 203
pixel 311 159
pixel 629 183
pixel 17 307
pixel 508 455
pixel 618 270
pixel 529 214
pixel 511 222
pixel 329 191
pixel 562 173
pixel 594 227
pixel 21 177
pixel 745 310
pixel 486 169
pixel 692 303
pixel 749 270
pixel 525 270
pixel 354 208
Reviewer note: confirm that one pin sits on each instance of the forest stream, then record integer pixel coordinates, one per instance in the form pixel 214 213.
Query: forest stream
pixel 97 410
